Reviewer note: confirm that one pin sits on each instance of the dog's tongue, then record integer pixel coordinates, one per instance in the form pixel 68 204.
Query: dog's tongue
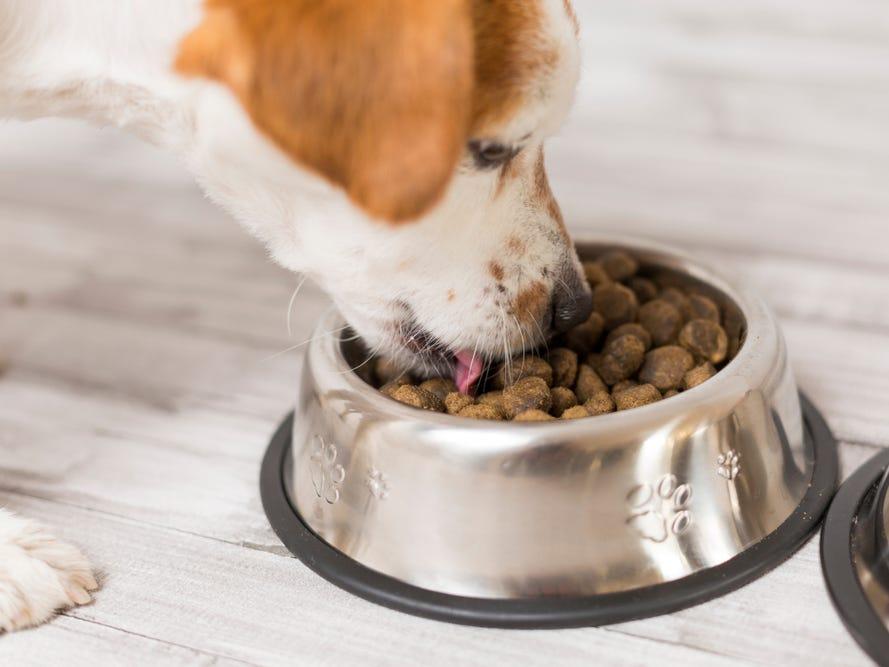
pixel 468 370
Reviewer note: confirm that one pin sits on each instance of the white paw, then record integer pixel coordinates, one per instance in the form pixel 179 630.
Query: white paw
pixel 39 575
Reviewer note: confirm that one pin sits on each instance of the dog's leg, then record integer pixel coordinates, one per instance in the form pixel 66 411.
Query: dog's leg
pixel 39 574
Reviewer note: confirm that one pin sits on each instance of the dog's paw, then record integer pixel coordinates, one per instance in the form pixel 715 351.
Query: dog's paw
pixel 39 575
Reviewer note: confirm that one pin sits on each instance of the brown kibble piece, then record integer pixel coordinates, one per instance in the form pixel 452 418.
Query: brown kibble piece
pixel 616 304
pixel 665 367
pixel 636 397
pixel 522 367
pixel 386 371
pixel 577 412
pixel 619 265
pixel 455 401
pixel 671 392
pixel 644 289
pixel 588 384
pixel 662 320
pixel 595 273
pixel 481 412
pixel 491 398
pixel 534 415
pixel 705 339
pixel 703 308
pixel 441 387
pixel 563 398
pixel 633 328
pixel 679 299
pixel 583 337
pixel 621 358
pixel 526 394
pixel 600 404
pixel 698 374
pixel 390 387
pixel 418 398
pixel 623 385
pixel 564 366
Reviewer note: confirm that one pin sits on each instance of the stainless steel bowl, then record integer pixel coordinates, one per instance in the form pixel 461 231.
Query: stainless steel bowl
pixel 537 515
pixel 855 555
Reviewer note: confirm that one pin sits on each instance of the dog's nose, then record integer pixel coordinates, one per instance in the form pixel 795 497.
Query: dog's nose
pixel 572 300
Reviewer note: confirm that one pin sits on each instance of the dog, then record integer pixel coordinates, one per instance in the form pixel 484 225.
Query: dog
pixel 391 150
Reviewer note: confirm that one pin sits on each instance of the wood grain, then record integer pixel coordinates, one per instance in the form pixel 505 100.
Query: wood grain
pixel 144 333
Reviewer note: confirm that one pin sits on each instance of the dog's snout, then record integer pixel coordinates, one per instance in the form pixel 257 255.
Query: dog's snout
pixel 572 301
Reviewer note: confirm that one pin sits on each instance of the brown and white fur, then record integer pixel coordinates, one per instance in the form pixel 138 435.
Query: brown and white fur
pixel 389 149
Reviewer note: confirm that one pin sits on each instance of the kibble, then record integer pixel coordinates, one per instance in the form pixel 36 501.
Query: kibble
pixel 703 308
pixel 564 366
pixel 665 367
pixel 600 404
pixel 455 402
pixel 584 337
pixel 595 273
pixel 387 370
pixel 622 358
pixel 661 320
pixel 678 298
pixel 619 265
pixel 577 412
pixel 390 387
pixel 616 304
pixel 705 339
pixel 479 411
pixel 522 367
pixel 588 384
pixel 492 398
pixel 648 338
pixel 441 387
pixel 644 289
pixel 633 328
pixel 563 398
pixel 636 397
pixel 526 394
pixel 534 415
pixel 698 375
pixel 623 385
pixel 418 398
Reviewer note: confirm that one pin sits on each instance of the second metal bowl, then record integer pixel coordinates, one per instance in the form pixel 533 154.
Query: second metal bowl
pixel 555 523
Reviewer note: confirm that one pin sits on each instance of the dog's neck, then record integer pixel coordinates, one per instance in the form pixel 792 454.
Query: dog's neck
pixel 105 61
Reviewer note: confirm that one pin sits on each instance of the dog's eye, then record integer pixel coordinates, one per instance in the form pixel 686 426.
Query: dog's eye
pixel 490 154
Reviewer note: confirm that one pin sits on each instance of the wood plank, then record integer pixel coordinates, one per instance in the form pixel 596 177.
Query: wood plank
pixel 75 642
pixel 250 605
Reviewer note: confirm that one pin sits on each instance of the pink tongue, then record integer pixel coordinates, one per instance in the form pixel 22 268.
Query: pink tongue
pixel 468 370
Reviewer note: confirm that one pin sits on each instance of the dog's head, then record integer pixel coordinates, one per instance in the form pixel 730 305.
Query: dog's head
pixel 398 160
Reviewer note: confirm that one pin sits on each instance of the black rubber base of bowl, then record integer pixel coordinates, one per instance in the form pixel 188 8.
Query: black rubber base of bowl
pixel 552 612
pixel 837 560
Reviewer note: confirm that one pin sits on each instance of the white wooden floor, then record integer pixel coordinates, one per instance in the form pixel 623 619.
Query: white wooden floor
pixel 138 322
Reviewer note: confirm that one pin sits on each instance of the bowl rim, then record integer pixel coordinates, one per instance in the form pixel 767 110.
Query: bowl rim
pixel 760 327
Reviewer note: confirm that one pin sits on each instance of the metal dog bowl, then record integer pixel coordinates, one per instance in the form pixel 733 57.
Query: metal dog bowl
pixel 855 555
pixel 554 524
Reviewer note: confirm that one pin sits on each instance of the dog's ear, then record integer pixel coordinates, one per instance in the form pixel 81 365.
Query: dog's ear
pixel 373 95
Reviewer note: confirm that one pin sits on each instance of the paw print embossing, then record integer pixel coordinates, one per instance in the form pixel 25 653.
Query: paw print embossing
pixel 327 474
pixel 660 509
pixel 377 483
pixel 728 465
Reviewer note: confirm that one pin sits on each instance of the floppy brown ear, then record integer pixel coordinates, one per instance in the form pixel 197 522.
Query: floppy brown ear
pixel 373 95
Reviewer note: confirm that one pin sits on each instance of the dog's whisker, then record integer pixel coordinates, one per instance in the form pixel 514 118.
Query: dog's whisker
pixel 305 342
pixel 290 304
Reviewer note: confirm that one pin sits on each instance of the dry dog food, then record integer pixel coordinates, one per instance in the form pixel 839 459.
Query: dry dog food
pixel 647 339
